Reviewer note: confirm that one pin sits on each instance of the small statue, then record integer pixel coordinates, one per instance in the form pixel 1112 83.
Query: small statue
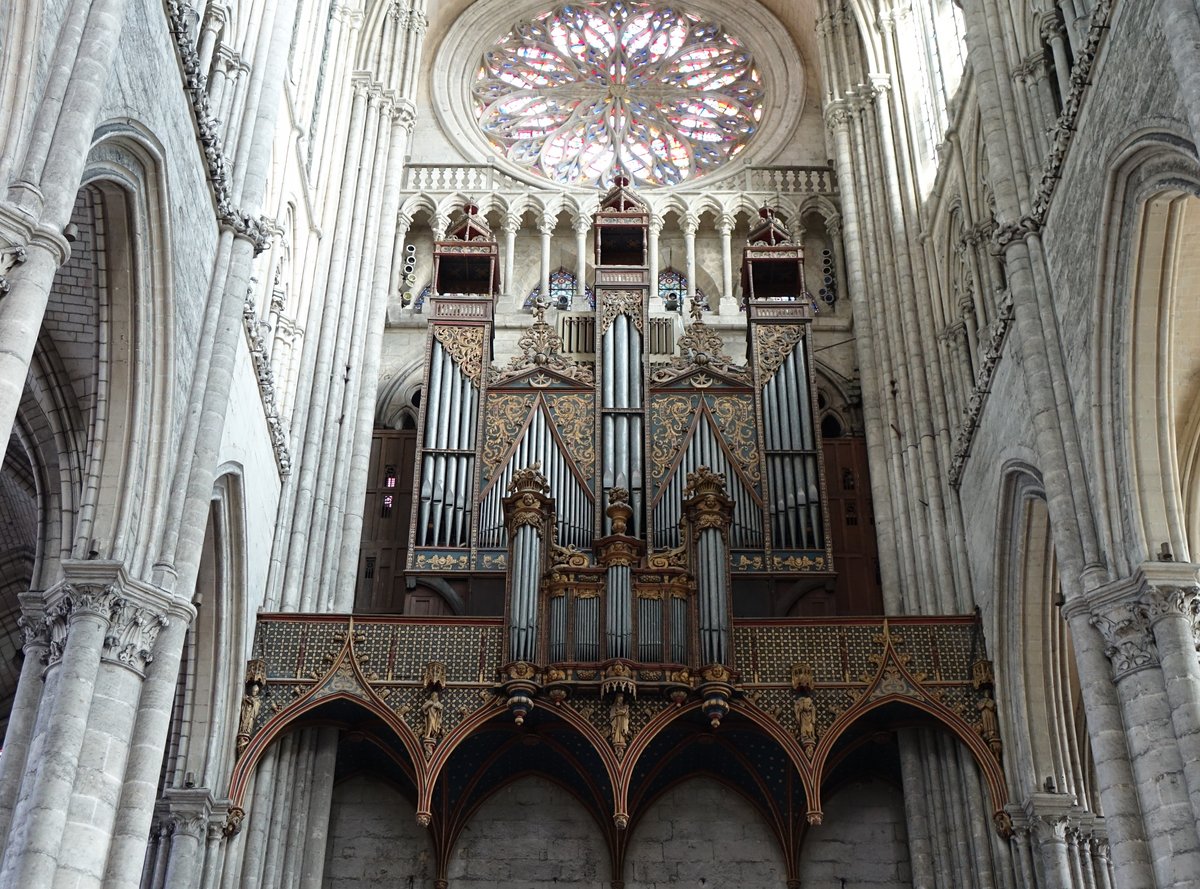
pixel 618 721
pixel 989 728
pixel 256 677
pixel 806 720
pixel 432 711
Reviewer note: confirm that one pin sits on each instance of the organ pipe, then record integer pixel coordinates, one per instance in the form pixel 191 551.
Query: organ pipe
pixel 528 513
pixel 708 511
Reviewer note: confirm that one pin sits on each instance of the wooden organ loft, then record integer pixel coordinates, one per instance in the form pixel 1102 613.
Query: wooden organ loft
pixel 609 536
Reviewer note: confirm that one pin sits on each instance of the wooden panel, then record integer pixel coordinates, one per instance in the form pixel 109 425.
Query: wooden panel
pixel 387 508
pixel 852 525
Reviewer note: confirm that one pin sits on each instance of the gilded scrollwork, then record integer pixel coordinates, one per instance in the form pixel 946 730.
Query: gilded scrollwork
pixel 772 346
pixel 735 418
pixel 465 345
pixel 671 415
pixel 575 417
pixel 505 414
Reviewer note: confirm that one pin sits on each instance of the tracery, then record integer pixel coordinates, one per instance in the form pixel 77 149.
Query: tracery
pixel 584 91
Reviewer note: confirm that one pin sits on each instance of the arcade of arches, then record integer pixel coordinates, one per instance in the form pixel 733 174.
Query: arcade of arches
pixel 613 444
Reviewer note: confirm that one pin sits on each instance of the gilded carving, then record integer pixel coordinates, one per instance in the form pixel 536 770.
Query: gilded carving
pixel 618 721
pixel 575 418
pixel 773 343
pixel 256 679
pixel 734 415
pixel 620 302
pixel 700 346
pixel 671 416
pixel 505 415
pixel 465 345
pixel 541 346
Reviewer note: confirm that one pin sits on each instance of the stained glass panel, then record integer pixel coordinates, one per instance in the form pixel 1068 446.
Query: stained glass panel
pixel 587 90
pixel 563 285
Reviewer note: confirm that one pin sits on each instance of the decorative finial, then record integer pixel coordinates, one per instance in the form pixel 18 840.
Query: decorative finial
pixel 540 304
pixel 696 309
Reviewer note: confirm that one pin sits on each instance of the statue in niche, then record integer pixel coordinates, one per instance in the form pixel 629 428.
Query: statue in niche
pixel 618 722
pixel 432 711
pixel 989 728
pixel 806 721
pixel 256 678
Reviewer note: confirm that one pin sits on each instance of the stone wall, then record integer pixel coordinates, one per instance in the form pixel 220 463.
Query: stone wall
pixel 531 834
pixel 374 839
pixel 702 834
pixel 863 842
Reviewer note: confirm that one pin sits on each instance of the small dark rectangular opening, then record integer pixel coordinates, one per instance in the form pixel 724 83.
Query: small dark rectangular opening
pixel 464 274
pixel 775 279
pixel 622 245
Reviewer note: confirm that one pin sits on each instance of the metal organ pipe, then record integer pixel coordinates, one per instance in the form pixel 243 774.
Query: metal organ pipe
pixel 620 628
pixel 526 554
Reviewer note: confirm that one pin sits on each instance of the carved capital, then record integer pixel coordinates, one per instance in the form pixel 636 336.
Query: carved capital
pixel 1179 601
pixel 132 632
pixel 1128 641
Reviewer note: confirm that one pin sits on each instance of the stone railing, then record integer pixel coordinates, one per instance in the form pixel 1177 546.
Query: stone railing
pixel 480 179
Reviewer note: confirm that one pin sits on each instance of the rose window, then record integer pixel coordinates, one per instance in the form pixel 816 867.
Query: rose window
pixel 587 90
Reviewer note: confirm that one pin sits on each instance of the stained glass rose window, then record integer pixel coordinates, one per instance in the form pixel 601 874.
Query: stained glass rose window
pixel 585 90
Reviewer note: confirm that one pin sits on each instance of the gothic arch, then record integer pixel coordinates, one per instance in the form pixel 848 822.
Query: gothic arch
pixel 129 473
pixel 1042 713
pixel 1145 351
pixel 212 668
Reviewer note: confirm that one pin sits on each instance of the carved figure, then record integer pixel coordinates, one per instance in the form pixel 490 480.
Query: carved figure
pixel 432 711
pixel 806 719
pixel 618 721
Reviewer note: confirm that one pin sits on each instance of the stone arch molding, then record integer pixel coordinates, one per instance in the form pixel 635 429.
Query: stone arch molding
pixel 479 26
pixel 1150 462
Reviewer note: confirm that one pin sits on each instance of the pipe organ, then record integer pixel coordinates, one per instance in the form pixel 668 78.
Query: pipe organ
pixel 622 501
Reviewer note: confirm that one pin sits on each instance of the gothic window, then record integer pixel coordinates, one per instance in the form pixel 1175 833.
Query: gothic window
pixel 583 91
pixel 562 290
pixel 672 289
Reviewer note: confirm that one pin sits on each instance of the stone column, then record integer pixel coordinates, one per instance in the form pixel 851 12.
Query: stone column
pixel 511 225
pixel 1171 599
pixel 1052 33
pixel 184 864
pixel 652 233
pixel 546 229
pixel 582 225
pixel 144 760
pixel 1101 865
pixel 1050 829
pixel 690 224
pixel 214 21
pixel 22 718
pixel 78 613
pixel 1158 769
pixel 129 644
pixel 214 855
pixel 728 305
